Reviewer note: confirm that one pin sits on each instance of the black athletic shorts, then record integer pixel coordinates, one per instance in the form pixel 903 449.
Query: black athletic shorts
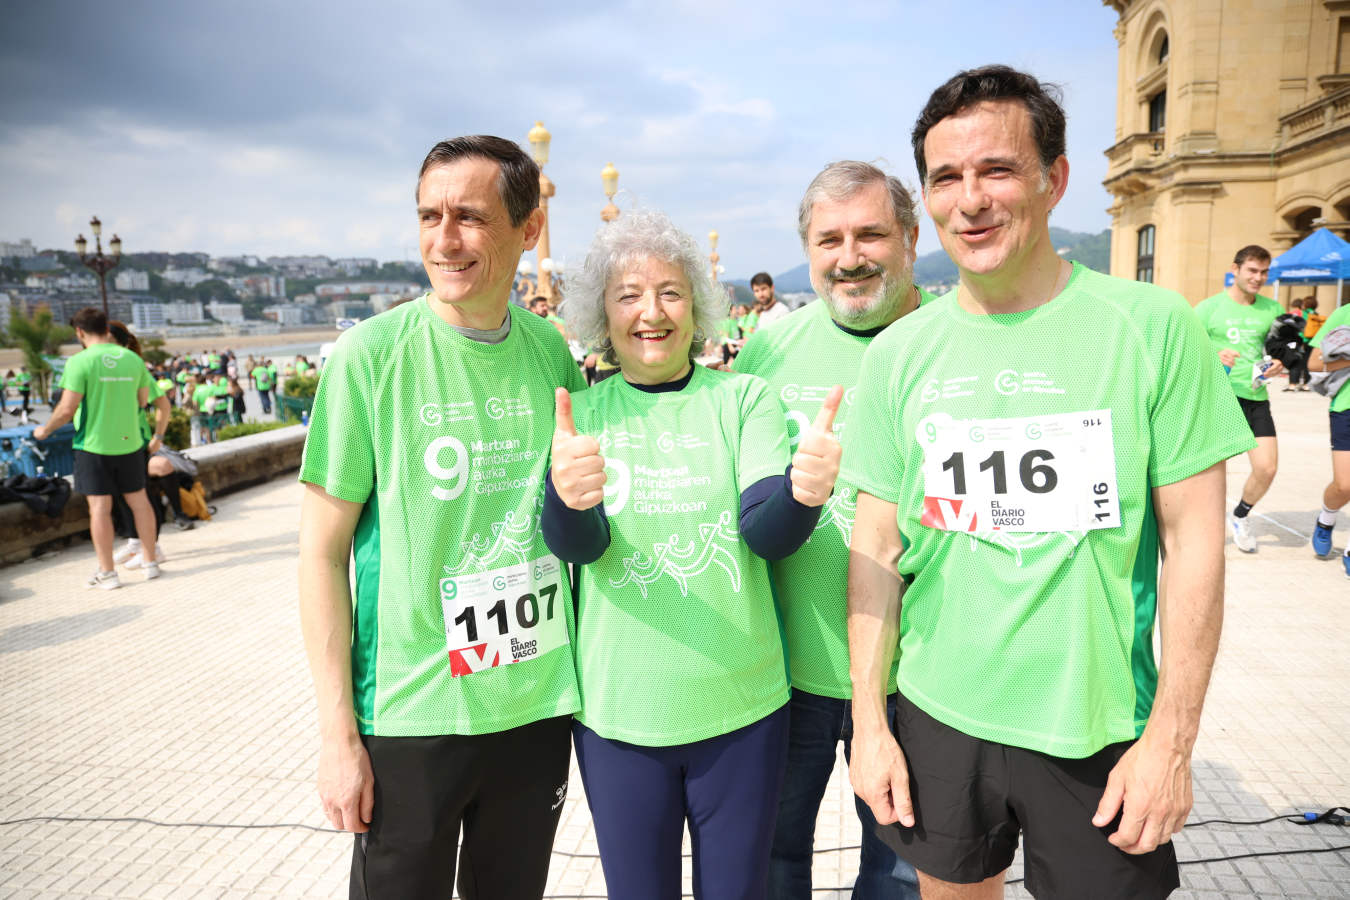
pixel 1258 416
pixel 504 790
pixel 1340 430
pixel 973 798
pixel 101 475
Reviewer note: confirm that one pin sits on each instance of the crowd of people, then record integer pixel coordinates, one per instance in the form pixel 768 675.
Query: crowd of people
pixel 937 530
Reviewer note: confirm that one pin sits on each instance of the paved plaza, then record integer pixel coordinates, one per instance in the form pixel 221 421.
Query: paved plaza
pixel 162 739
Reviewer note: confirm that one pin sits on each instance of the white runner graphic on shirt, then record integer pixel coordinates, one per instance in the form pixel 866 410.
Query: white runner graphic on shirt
pixel 682 563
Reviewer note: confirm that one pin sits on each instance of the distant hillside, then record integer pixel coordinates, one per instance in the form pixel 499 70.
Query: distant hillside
pixel 1092 250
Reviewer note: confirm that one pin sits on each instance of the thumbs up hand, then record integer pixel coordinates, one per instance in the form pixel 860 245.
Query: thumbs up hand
pixel 815 465
pixel 578 467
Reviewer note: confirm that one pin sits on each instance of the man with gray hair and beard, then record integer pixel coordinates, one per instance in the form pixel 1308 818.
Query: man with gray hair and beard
pixel 858 226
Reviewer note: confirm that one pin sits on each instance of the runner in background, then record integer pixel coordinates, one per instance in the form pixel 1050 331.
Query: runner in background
pixel 1237 321
pixel 1331 354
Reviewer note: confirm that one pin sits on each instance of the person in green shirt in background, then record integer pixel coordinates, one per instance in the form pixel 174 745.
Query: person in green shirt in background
pixel 104 387
pixel 1337 492
pixel 262 381
pixel 858 226
pixel 1237 320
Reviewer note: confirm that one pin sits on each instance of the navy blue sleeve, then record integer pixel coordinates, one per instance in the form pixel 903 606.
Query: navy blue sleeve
pixel 578 536
pixel 773 523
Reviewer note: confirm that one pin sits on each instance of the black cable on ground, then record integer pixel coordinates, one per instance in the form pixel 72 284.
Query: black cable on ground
pixel 1337 815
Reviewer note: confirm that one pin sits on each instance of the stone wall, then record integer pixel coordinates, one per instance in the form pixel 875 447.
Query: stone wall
pixel 223 467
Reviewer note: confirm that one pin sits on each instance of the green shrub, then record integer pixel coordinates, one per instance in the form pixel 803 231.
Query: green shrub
pixel 247 428
pixel 301 385
pixel 179 432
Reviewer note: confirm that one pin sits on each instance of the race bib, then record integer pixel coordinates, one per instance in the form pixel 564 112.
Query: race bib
pixel 505 615
pixel 1035 474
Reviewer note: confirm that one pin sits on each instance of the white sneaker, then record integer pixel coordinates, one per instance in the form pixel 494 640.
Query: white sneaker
pixel 107 581
pixel 1242 534
pixel 151 571
pixel 127 550
pixel 138 560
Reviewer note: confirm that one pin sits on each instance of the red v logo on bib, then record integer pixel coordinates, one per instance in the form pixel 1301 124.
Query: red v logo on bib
pixel 947 515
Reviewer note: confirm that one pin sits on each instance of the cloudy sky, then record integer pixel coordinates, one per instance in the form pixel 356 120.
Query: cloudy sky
pixel 298 127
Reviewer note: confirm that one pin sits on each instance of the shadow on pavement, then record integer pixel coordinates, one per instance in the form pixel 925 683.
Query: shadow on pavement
pixel 63 629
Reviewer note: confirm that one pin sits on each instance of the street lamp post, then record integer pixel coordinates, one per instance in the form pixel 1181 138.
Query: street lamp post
pixel 99 263
pixel 539 139
pixel 713 257
pixel 609 177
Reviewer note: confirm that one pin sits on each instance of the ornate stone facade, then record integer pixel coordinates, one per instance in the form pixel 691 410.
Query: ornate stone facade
pixel 1232 128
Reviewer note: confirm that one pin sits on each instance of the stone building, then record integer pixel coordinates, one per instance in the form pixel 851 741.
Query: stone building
pixel 1232 128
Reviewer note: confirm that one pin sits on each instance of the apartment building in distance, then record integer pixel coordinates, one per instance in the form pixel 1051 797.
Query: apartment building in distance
pixel 1232 128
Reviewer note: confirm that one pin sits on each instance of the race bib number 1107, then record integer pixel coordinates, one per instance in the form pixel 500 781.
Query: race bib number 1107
pixel 1034 474
pixel 506 615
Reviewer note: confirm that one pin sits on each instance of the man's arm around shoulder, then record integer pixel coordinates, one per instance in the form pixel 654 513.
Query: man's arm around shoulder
pixel 346 782
pixel 1152 781
pixel 878 771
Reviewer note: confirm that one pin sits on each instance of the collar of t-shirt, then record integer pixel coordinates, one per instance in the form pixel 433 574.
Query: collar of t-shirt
pixel 487 335
pixel 665 387
pixel 861 332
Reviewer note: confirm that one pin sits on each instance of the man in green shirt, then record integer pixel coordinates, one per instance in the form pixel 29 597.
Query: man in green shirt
pixel 1337 492
pixel 104 387
pixel 262 380
pixel 444 675
pixel 1015 487
pixel 858 226
pixel 1237 321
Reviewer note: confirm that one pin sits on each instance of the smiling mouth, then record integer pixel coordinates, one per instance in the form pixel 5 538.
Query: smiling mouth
pixel 451 268
pixel 975 234
pixel 652 336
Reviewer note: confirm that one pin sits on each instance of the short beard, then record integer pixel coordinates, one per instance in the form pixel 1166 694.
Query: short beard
pixel 884 310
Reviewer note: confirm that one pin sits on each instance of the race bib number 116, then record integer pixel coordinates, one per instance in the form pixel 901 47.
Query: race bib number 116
pixel 1034 474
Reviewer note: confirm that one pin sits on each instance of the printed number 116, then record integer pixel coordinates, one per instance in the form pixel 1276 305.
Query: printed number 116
pixel 1100 489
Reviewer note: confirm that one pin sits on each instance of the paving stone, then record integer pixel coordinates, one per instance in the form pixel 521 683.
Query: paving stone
pixel 188 699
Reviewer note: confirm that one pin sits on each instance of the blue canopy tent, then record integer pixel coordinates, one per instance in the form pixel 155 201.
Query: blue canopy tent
pixel 1320 258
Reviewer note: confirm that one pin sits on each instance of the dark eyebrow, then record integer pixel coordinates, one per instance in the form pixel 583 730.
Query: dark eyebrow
pixel 1005 161
pixel 471 210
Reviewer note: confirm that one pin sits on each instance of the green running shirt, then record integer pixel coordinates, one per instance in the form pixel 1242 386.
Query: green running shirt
pixel 677 636
pixel 802 358
pixel 1341 316
pixel 108 420
pixel 1236 326
pixel 445 440
pixel 262 378
pixel 1021 458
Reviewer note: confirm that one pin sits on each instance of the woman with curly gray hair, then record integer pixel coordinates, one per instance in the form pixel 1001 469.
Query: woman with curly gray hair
pixel 669 488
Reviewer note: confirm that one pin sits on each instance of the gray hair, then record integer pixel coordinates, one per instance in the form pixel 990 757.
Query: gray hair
pixel 637 235
pixel 840 181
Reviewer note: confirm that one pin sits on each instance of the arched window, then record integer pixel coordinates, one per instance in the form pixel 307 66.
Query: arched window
pixel 1143 264
pixel 1162 50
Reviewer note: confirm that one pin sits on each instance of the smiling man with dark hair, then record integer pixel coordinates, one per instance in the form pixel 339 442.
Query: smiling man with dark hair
pixel 1016 486
pixel 444 675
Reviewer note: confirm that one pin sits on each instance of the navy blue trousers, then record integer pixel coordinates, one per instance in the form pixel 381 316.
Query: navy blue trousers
pixel 725 787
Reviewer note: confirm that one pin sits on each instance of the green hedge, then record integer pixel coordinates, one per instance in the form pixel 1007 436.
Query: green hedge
pixel 247 428
pixel 301 385
pixel 179 432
